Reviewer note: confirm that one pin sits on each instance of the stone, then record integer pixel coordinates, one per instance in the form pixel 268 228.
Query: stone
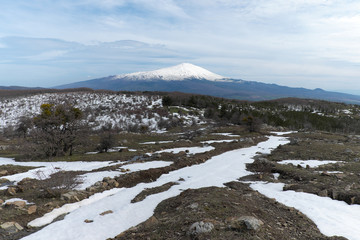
pixel 1 202
pixel 11 227
pixel 245 223
pixel 113 183
pixel 194 206
pixel 106 212
pixel 88 221
pixel 106 179
pixel 200 227
pixel 91 189
pixel 19 204
pixel 11 191
pixel 32 209
pixel 3 172
pixel 69 196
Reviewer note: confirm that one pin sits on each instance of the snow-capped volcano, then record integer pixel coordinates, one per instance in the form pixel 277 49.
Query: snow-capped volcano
pixel 175 73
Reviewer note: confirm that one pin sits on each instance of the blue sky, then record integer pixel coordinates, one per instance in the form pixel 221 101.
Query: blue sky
pixel 298 43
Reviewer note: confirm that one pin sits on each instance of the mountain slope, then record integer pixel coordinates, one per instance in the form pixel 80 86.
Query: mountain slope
pixel 175 73
pixel 193 79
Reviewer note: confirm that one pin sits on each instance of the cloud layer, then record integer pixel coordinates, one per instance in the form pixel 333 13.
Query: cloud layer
pixel 308 43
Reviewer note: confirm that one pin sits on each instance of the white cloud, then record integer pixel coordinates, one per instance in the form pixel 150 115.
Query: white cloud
pixel 265 40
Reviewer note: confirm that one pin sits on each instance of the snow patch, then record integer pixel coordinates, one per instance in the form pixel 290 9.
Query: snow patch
pixel 332 217
pixel 311 163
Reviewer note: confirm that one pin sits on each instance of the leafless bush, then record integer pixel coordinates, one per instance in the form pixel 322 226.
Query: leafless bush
pixel 58 183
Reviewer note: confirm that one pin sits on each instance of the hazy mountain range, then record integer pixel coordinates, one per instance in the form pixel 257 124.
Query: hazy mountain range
pixel 189 78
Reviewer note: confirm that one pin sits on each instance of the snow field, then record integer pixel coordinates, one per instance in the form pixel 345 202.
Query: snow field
pixel 219 169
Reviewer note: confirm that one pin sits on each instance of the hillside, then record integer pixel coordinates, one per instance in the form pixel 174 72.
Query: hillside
pixel 203 168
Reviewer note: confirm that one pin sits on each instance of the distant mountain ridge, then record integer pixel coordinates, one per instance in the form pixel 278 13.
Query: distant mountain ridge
pixel 190 78
pixel 18 88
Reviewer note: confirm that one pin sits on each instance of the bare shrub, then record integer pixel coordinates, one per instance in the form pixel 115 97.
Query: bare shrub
pixel 58 183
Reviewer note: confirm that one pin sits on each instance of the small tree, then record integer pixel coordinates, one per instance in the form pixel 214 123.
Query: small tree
pixel 57 129
pixel 167 101
pixel 25 124
pixel 107 138
pixel 252 123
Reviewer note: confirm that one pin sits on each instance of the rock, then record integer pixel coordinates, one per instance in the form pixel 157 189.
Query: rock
pixel 19 204
pixel 70 196
pixel 3 172
pixel 194 206
pixel 1 202
pixel 91 189
pixel 11 227
pixel 200 227
pixel 106 212
pixel 106 179
pixel 11 191
pixel 245 223
pixel 88 221
pixel 98 184
pixel 32 209
pixel 113 183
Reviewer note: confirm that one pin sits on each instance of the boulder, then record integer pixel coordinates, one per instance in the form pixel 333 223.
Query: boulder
pixel 70 196
pixel 113 183
pixel 3 172
pixel 11 227
pixel 1 202
pixel 245 223
pixel 200 227
pixel 19 204
pixel 106 212
pixel 32 209
pixel 11 191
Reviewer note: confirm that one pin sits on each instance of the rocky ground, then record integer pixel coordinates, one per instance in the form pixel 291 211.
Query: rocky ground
pixel 232 212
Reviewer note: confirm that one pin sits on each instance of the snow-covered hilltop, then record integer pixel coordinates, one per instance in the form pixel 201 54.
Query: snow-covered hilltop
pixel 175 73
pixel 122 111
